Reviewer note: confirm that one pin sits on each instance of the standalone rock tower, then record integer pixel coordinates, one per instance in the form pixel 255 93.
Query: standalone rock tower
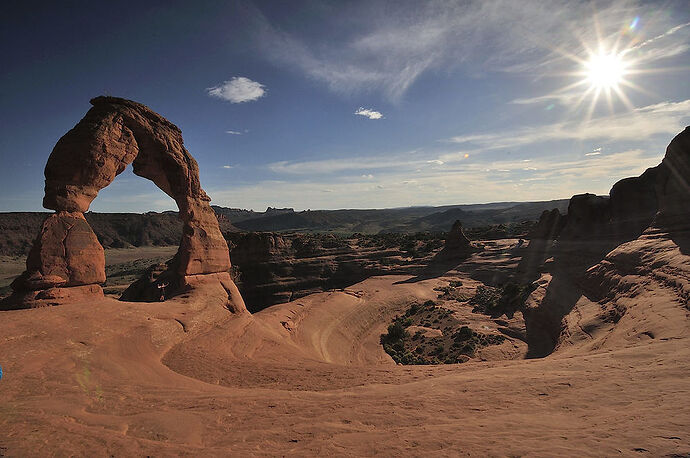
pixel 457 245
pixel 67 262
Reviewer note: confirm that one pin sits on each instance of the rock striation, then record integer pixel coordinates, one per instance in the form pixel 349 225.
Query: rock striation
pixel 114 133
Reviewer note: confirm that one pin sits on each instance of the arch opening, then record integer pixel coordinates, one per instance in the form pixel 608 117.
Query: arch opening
pixel 67 262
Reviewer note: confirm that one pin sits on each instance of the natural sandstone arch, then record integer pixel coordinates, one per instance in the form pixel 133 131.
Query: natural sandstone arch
pixel 67 261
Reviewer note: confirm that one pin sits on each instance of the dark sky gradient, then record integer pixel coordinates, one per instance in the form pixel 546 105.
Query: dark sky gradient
pixel 436 71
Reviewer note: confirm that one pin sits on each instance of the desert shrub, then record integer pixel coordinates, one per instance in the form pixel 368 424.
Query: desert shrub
pixel 450 293
pixel 414 308
pixel 466 341
pixel 396 333
pixel 485 299
pixel 498 301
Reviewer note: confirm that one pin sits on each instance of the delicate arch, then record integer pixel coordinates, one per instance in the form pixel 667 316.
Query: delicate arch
pixel 114 133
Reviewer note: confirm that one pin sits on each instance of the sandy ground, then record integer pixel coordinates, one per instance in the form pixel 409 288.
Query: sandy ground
pixel 187 377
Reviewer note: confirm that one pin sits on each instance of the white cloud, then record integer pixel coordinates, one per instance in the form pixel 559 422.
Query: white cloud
pixel 562 98
pixel 237 90
pixel 555 177
pixel 637 125
pixel 233 132
pixel 379 48
pixel 368 176
pixel 661 52
pixel 227 166
pixel 368 113
pixel 344 164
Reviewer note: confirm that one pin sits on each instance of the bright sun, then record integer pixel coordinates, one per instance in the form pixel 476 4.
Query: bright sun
pixel 605 71
pixel 604 68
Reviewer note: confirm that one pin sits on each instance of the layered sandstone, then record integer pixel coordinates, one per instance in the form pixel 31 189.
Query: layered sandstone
pixel 115 133
pixel 617 258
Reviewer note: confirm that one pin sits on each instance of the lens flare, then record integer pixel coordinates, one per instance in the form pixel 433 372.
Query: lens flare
pixel 634 23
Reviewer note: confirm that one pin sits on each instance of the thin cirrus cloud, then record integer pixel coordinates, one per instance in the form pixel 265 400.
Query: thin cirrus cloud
pixel 390 49
pixel 368 113
pixel 637 125
pixel 471 183
pixel 238 90
pixel 665 119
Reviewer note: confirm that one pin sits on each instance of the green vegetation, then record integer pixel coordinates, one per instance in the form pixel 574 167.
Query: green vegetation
pixel 451 292
pixel 415 245
pixel 444 342
pixel 499 301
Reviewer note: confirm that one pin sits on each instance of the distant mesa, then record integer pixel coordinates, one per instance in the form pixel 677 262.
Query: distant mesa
pixel 66 262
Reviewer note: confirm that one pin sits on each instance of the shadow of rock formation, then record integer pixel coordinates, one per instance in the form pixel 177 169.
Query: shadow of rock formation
pixel 574 257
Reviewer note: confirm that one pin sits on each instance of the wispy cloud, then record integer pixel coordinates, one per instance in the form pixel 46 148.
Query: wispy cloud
pixel 237 90
pixel 227 166
pixel 368 113
pixel 388 49
pixel 639 124
pixel 564 98
pixel 545 178
pixel 345 164
pixel 233 132
pixel 660 52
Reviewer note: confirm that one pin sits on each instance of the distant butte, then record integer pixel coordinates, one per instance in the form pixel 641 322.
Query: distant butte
pixel 66 262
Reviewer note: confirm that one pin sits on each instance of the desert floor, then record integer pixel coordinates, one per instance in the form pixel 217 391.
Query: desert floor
pixel 309 377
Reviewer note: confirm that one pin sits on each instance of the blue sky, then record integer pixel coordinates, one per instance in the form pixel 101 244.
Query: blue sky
pixel 328 104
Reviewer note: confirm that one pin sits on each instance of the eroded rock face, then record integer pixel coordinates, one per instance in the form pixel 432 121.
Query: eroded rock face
pixel 457 245
pixel 65 253
pixel 673 183
pixel 115 133
pixel 550 224
pixel 633 244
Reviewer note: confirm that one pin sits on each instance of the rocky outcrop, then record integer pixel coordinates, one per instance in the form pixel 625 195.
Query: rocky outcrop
pixel 273 268
pixel 115 133
pixel 622 258
pixel 673 186
pixel 457 246
pixel 549 226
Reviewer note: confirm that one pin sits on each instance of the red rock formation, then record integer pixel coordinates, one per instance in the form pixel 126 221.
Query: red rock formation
pixel 114 133
pixel 633 244
pixel 550 224
pixel 457 245
pixel 673 185
pixel 66 253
